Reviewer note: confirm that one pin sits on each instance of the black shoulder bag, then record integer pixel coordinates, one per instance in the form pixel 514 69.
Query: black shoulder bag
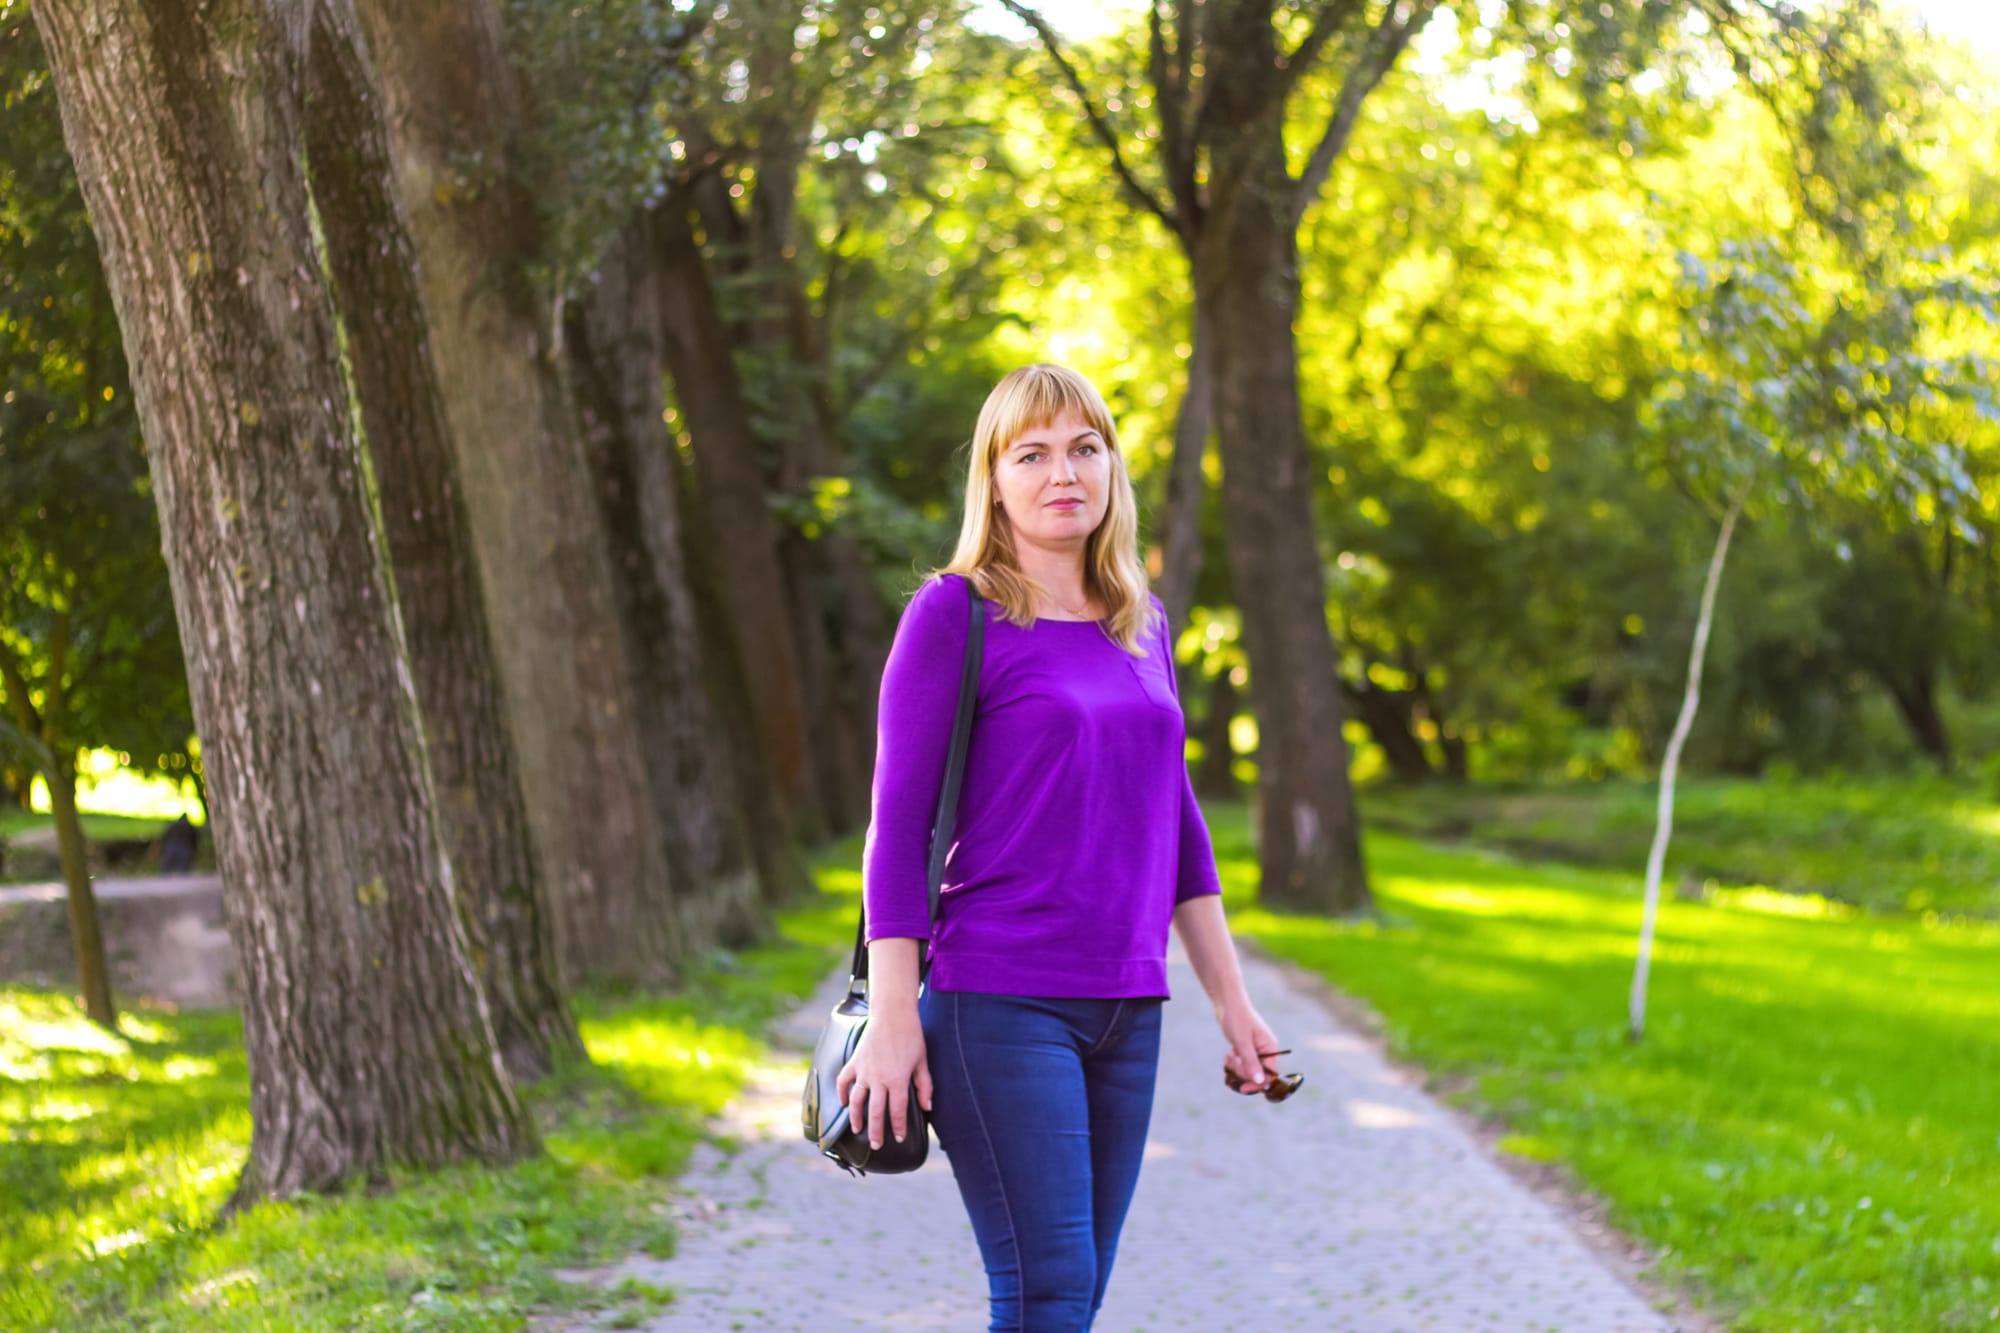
pixel 832 1133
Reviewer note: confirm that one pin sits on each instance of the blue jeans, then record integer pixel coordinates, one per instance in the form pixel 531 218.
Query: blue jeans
pixel 1042 1107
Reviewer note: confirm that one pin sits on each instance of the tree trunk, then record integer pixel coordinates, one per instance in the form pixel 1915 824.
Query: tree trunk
pixel 1916 700
pixel 368 1038
pixel 1180 526
pixel 473 766
pixel 837 614
pixel 615 350
pixel 1387 715
pixel 780 865
pixel 860 633
pixel 543 554
pixel 1246 271
pixel 1216 776
pixel 1656 856
pixel 837 624
pixel 93 974
pixel 805 599
pixel 1450 743
pixel 1457 766
pixel 861 629
pixel 731 492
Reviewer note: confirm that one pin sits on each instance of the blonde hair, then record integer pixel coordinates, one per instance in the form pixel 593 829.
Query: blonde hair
pixel 1033 398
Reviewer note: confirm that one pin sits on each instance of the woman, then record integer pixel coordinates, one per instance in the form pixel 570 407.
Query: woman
pixel 1036 1041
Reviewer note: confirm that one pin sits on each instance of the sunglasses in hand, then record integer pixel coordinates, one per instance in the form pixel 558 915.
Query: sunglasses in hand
pixel 1277 1089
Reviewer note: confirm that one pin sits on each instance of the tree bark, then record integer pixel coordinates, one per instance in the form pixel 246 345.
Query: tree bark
pixel 780 864
pixel 830 747
pixel 1451 744
pixel 1663 827
pixel 45 727
pixel 617 359
pixel 1457 758
pixel 1222 90
pixel 1246 273
pixel 1180 527
pixel 368 1037
pixel 837 614
pixel 93 974
pixel 1216 777
pixel 477 777
pixel 543 553
pixel 731 493
pixel 1915 694
pixel 1387 715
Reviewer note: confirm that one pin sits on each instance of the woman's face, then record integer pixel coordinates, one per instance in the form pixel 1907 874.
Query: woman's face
pixel 1055 483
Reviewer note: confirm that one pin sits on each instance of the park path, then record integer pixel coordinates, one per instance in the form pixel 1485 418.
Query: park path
pixel 119 886
pixel 1359 1206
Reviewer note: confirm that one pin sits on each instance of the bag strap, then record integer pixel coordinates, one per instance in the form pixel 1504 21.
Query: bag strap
pixel 947 807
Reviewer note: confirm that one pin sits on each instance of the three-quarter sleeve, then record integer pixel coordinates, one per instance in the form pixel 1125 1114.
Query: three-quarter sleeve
pixel 1196 873
pixel 919 702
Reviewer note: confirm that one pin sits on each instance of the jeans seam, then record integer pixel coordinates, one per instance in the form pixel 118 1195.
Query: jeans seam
pixel 999 1178
pixel 1109 1028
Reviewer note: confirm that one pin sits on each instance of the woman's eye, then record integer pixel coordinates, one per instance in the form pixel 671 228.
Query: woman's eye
pixel 1091 447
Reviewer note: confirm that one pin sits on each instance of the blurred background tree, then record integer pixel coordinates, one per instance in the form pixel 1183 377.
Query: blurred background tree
pixel 89 653
pixel 711 295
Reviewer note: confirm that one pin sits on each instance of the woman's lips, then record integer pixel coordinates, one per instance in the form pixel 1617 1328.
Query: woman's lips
pixel 1064 504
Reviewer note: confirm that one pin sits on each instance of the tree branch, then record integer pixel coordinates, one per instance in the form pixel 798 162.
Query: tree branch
pixel 1193 89
pixel 1109 137
pixel 829 290
pixel 1179 148
pixel 1327 23
pixel 52 717
pixel 1385 46
pixel 26 719
pixel 1160 63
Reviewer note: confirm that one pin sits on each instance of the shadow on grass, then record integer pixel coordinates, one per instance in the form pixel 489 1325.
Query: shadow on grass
pixel 117 1152
pixel 1805 1133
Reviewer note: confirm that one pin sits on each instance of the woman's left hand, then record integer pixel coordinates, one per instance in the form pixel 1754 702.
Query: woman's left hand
pixel 1249 1036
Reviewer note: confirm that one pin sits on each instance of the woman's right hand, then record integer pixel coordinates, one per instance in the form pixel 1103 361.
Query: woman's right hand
pixel 875 1082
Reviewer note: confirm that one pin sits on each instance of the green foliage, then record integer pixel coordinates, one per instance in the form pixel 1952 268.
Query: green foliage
pixel 1515 525
pixel 89 647
pixel 1806 1135
pixel 1512 402
pixel 1848 400
pixel 116 1151
pixel 596 82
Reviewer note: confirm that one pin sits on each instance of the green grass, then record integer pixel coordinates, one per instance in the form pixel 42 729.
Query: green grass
pixel 1810 1129
pixel 96 827
pixel 1908 844
pixel 115 1153
pixel 1809 1134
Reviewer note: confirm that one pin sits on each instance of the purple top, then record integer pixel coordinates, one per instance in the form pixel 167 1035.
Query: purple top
pixel 1077 831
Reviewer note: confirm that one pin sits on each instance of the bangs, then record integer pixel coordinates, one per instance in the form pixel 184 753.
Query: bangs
pixel 1034 398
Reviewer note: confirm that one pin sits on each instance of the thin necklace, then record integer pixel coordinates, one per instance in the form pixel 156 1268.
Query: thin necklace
pixel 1074 611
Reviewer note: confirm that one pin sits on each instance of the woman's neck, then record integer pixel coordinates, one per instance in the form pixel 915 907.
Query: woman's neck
pixel 1060 573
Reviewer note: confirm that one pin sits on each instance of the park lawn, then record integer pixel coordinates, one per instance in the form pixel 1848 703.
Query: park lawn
pixel 1889 844
pixel 116 1152
pixel 1810 1133
pixel 1810 1130
pixel 96 827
